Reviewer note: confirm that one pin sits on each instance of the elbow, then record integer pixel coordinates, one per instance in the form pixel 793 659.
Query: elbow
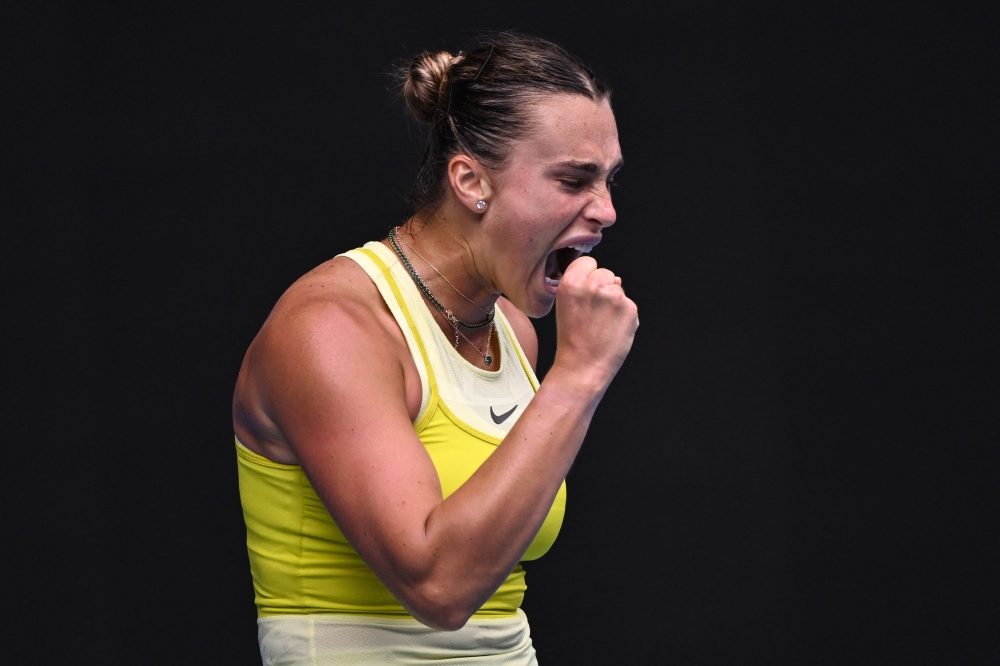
pixel 440 608
pixel 447 621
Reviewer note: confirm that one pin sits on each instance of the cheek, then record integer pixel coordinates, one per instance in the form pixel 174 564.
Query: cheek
pixel 519 247
pixel 534 213
pixel 541 211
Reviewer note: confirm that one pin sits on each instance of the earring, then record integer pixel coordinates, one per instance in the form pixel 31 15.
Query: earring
pixel 480 205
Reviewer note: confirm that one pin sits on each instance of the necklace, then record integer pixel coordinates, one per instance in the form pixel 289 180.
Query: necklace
pixel 454 321
pixel 443 276
pixel 427 292
pixel 487 358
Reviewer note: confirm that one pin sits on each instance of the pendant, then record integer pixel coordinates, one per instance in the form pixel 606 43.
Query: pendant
pixel 489 360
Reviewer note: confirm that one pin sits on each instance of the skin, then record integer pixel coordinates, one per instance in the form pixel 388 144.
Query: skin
pixel 331 350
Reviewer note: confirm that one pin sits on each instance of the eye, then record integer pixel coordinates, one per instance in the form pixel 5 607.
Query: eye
pixel 571 183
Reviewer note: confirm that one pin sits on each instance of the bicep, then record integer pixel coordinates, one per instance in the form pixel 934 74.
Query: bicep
pixel 338 398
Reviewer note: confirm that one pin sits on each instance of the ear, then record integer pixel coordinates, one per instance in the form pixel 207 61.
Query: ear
pixel 470 181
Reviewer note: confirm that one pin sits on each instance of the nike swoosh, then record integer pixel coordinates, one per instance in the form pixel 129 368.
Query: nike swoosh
pixel 502 417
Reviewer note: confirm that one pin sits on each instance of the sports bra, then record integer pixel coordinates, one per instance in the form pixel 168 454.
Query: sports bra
pixel 300 560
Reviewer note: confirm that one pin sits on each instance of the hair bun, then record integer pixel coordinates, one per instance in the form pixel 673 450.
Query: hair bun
pixel 423 84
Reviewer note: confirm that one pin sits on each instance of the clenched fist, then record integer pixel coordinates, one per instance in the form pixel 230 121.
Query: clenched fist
pixel 595 321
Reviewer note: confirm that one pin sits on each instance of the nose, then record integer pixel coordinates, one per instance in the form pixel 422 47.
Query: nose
pixel 600 209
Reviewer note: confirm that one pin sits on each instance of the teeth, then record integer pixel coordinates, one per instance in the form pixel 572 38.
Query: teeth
pixel 552 283
pixel 582 248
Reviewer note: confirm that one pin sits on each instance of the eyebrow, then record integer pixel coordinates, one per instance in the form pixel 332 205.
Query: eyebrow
pixel 589 167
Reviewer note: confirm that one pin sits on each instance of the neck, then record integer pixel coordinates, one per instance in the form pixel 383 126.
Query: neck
pixel 444 259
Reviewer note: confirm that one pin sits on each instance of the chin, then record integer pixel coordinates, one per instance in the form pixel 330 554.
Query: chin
pixel 535 301
pixel 545 308
pixel 538 305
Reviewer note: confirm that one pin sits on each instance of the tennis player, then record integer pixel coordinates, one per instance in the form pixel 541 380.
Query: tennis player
pixel 398 458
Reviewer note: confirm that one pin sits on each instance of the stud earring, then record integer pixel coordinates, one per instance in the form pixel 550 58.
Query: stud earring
pixel 480 205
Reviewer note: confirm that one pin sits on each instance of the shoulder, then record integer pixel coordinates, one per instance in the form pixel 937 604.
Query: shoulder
pixel 329 328
pixel 337 281
pixel 523 329
pixel 336 292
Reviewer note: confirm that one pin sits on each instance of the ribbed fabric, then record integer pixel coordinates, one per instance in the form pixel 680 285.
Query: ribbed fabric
pixel 341 640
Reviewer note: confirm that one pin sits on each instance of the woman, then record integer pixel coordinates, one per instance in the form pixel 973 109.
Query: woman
pixel 397 457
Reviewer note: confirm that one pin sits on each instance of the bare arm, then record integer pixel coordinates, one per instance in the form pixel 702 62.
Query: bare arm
pixel 335 388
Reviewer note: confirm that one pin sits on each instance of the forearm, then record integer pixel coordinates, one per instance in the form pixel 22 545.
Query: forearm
pixel 478 534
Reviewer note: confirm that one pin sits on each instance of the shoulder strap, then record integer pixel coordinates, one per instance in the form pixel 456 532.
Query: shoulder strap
pixel 368 260
pixel 517 349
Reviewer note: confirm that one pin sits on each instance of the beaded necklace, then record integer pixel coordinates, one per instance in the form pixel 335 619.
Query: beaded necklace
pixel 454 321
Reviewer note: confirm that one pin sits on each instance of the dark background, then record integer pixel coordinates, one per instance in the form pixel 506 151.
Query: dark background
pixel 798 462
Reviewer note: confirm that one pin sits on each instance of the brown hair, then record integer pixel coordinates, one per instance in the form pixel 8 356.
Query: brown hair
pixel 476 102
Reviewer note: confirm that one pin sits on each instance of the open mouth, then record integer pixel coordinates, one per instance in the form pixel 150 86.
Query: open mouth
pixel 559 260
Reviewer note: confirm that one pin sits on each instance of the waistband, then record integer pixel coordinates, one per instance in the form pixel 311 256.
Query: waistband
pixel 325 640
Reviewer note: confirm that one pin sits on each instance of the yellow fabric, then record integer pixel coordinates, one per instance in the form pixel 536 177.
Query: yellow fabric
pixel 302 563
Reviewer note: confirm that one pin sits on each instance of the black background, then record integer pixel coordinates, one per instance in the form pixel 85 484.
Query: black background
pixel 798 462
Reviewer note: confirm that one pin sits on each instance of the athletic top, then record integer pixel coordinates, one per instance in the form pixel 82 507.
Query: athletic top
pixel 301 562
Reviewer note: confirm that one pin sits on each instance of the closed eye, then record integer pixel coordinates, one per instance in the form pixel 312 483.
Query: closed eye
pixel 571 183
pixel 611 179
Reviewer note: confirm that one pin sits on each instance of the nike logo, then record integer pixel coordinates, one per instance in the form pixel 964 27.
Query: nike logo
pixel 498 419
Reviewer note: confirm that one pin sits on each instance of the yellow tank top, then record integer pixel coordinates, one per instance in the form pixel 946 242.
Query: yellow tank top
pixel 301 562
